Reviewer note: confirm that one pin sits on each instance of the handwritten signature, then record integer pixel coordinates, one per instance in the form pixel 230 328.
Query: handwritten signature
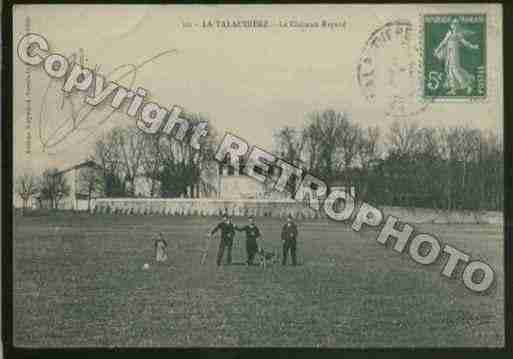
pixel 77 115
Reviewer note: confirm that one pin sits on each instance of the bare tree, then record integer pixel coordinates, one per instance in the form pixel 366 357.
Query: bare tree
pixel 208 167
pixel 176 166
pixel 350 145
pixel 332 143
pixel 460 147
pixel 107 155
pixel 289 143
pixel 470 145
pixel 368 154
pixel 53 187
pixel 131 146
pixel 369 146
pixel 404 138
pixel 26 187
pixel 90 180
pixel 487 171
pixel 152 162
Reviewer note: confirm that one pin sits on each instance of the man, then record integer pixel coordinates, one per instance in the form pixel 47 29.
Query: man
pixel 288 237
pixel 227 233
pixel 252 234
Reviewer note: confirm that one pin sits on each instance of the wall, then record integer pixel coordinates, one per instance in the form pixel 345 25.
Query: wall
pixel 273 208
pixel 203 207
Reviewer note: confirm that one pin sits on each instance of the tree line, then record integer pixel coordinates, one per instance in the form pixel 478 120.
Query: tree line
pixel 49 186
pixel 413 166
pixel 125 154
pixel 172 167
pixel 410 165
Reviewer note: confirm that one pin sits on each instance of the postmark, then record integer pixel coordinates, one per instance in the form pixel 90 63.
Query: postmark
pixel 387 71
pixel 454 57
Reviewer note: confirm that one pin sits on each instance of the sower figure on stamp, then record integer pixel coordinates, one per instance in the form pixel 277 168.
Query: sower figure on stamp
pixel 289 237
pixel 227 233
pixel 160 248
pixel 456 77
pixel 252 234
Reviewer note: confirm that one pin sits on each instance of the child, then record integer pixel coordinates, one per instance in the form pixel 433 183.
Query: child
pixel 160 248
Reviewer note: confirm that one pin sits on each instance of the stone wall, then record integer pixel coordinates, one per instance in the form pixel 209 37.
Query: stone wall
pixel 274 208
pixel 423 215
pixel 203 207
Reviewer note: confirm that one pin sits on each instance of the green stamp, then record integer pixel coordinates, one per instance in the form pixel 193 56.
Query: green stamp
pixel 454 57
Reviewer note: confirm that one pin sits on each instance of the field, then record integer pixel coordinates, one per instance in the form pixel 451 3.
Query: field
pixel 78 281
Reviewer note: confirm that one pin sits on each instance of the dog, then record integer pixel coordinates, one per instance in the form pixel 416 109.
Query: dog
pixel 264 257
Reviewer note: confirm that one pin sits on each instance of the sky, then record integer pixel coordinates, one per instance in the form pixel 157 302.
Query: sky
pixel 249 82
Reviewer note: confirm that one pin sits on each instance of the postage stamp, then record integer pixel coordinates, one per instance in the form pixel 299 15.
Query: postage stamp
pixel 454 57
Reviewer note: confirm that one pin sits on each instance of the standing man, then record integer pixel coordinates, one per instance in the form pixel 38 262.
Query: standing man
pixel 252 234
pixel 227 233
pixel 288 237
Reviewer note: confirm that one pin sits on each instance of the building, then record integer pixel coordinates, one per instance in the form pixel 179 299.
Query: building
pixel 146 187
pixel 83 181
pixel 234 184
pixel 221 182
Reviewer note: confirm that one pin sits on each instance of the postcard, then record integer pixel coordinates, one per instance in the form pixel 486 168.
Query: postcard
pixel 325 176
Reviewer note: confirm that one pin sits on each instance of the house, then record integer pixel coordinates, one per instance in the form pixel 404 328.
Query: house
pixel 82 180
pixel 146 187
pixel 234 184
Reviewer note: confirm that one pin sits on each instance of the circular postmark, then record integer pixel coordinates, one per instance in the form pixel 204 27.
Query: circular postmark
pixel 387 71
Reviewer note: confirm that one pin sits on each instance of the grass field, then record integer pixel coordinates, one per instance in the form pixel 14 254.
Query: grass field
pixel 83 285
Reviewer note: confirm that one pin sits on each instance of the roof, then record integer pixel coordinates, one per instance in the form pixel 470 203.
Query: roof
pixel 88 163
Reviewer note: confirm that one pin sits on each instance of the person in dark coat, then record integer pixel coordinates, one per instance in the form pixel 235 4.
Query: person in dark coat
pixel 227 233
pixel 252 234
pixel 289 238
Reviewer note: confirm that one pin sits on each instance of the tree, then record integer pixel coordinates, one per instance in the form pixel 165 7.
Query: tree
pixel 26 187
pixel 131 145
pixel 461 147
pixel 152 162
pixel 109 158
pixel 404 138
pixel 173 167
pixel 369 149
pixel 368 155
pixel 208 167
pixel 332 143
pixel 53 187
pixel 179 168
pixel 486 172
pixel 330 146
pixel 90 179
pixel 289 143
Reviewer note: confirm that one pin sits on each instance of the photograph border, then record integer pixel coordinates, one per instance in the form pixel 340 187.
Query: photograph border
pixel 10 351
